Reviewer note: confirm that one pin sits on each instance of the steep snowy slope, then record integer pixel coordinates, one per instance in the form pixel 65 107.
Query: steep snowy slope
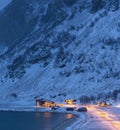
pixel 71 50
pixel 4 3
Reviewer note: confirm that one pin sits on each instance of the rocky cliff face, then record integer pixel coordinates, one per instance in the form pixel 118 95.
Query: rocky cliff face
pixel 59 47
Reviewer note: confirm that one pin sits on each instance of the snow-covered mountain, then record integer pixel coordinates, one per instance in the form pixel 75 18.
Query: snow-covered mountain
pixel 59 49
pixel 4 3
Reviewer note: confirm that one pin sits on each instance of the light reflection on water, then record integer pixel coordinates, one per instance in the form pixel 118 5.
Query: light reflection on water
pixel 37 114
pixel 68 116
pixel 31 120
pixel 47 114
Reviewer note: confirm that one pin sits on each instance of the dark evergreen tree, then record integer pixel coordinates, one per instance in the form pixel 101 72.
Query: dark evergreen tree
pixel 112 5
pixel 85 99
pixel 69 2
pixel 96 5
pixel 115 5
pixel 115 93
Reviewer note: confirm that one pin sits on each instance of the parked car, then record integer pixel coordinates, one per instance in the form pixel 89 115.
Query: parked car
pixel 55 107
pixel 82 109
pixel 70 109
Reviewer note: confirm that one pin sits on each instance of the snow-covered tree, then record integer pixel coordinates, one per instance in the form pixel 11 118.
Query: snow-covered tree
pixel 115 5
pixel 112 5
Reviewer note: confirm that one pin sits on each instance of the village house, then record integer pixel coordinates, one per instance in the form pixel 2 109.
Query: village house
pixel 44 103
pixel 70 101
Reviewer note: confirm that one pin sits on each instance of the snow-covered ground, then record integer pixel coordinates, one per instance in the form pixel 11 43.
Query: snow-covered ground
pixel 90 63
pixel 100 118
pixel 72 54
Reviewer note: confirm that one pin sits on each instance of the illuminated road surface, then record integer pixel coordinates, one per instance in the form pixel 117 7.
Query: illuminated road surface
pixel 101 120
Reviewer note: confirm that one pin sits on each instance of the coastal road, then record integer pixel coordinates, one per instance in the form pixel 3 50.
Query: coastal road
pixel 100 120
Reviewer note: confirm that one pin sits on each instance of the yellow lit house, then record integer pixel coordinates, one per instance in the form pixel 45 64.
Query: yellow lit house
pixel 44 103
pixel 70 101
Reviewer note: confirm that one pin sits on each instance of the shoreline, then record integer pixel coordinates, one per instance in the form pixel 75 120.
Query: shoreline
pixel 34 109
pixel 61 126
pixel 66 123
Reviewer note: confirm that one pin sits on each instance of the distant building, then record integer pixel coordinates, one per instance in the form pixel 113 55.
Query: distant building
pixel 44 103
pixel 70 101
pixel 40 102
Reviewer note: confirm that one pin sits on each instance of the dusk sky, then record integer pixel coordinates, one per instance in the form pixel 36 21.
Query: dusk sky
pixel 3 3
